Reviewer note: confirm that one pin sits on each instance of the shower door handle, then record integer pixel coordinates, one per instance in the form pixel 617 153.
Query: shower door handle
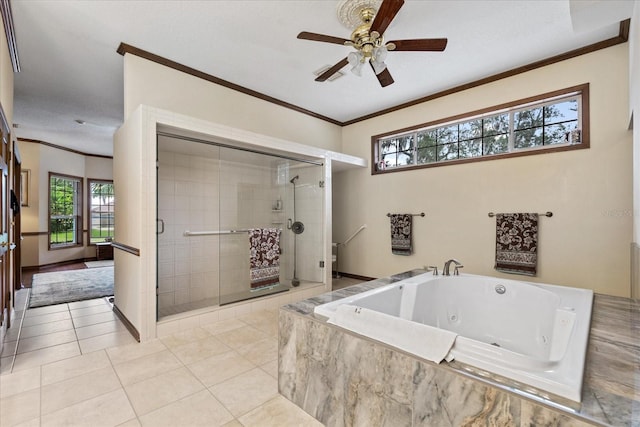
pixel 161 221
pixel 289 224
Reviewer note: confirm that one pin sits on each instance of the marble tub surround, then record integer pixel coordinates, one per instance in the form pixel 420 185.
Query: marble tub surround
pixel 343 379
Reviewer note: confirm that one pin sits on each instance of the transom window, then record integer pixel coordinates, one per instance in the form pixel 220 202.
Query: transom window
pixel 101 211
pixel 554 121
pixel 65 212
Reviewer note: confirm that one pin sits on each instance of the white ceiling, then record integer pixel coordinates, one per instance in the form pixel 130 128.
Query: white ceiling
pixel 70 69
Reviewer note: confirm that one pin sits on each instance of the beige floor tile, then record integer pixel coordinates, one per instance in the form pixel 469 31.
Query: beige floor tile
pixel 46 328
pixel 62 394
pixel 241 336
pixel 146 367
pixel 9 348
pixel 108 409
pixel 104 341
pixel 223 326
pixel 46 318
pixel 46 355
pixel 131 423
pixel 260 352
pixel 156 392
pixel 234 423
pixel 73 367
pixel 99 329
pixel 200 409
pixel 185 337
pixel 35 422
pixel 94 309
pixel 19 382
pixel 220 367
pixel 246 392
pixel 39 311
pixel 133 351
pixel 48 340
pixel 93 319
pixel 13 408
pixel 271 368
pixel 278 412
pixel 87 303
pixel 6 365
pixel 260 318
pixel 11 335
pixel 199 350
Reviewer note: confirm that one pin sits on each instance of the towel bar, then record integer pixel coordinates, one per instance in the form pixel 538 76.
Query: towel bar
pixel 420 214
pixel 547 214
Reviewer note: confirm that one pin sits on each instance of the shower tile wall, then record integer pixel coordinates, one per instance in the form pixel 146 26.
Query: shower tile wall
pixel 187 200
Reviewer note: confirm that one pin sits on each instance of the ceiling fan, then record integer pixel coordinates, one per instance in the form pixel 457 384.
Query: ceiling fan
pixel 369 44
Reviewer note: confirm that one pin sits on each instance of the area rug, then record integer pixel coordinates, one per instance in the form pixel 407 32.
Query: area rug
pixel 72 285
pixel 96 264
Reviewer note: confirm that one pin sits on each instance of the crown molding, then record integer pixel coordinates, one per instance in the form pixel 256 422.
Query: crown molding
pixel 7 20
pixel 71 150
pixel 622 37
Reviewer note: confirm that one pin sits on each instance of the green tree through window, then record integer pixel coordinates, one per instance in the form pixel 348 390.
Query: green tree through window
pixel 65 213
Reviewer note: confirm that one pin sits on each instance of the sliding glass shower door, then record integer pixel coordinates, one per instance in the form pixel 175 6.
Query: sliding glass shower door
pixel 235 224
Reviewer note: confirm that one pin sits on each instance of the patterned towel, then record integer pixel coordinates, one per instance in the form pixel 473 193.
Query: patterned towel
pixel 401 234
pixel 264 257
pixel 517 243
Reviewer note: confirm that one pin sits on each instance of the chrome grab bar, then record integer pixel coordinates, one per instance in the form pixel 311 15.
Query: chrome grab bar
pixel 213 233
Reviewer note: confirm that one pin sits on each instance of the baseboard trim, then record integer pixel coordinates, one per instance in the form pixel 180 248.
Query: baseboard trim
pixel 635 270
pixel 132 329
pixel 55 264
pixel 356 276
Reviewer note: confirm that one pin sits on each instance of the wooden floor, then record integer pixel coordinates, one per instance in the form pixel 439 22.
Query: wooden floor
pixel 27 275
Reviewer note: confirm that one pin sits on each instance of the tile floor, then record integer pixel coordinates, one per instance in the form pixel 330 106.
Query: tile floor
pixel 76 365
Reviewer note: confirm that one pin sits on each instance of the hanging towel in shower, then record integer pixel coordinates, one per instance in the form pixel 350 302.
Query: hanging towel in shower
pixel 264 256
pixel 517 243
pixel 401 234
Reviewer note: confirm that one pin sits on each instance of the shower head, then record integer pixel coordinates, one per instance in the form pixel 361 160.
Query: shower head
pixel 293 179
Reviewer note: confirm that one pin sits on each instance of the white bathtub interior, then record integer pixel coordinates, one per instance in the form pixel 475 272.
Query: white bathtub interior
pixel 532 333
pixel 203 187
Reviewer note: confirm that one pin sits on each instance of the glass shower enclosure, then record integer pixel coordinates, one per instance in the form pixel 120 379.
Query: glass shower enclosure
pixel 234 224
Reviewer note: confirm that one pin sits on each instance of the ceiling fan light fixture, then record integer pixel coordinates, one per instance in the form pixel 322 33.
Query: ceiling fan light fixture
pixel 356 59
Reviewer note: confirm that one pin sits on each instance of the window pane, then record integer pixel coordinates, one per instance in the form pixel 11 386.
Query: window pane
pixel 448 151
pixel 527 138
pixel 470 148
pixel 64 210
pixel 101 211
pixel 388 146
pixel 389 160
pixel 470 130
pixel 426 155
pixel 496 125
pixel 427 138
pixel 404 159
pixel 557 134
pixel 561 112
pixel 405 143
pixel 447 134
pixel 527 119
pixel 495 144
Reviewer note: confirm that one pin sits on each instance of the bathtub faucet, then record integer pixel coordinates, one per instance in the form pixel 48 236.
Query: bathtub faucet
pixel 445 270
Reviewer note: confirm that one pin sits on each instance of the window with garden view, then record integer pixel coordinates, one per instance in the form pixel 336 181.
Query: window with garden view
pixel 555 121
pixel 101 211
pixel 65 211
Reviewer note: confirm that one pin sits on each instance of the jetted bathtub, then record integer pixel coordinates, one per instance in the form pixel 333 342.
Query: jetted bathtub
pixel 532 333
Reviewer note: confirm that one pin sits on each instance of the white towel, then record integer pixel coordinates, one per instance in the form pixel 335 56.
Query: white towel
pixel 422 340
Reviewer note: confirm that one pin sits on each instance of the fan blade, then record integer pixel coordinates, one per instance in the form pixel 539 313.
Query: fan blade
pixel 386 13
pixel 321 38
pixel 384 77
pixel 331 71
pixel 434 45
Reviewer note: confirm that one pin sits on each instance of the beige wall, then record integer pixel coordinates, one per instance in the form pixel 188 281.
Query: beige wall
pixel 40 160
pixel 586 242
pixel 148 83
